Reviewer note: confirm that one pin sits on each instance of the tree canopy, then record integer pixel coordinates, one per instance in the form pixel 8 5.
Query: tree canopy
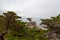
pixel 13 29
pixel 53 26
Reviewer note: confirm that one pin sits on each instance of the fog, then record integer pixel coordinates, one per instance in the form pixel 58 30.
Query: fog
pixel 31 8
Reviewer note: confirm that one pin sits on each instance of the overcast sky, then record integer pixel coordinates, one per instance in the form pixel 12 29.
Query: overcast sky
pixel 32 8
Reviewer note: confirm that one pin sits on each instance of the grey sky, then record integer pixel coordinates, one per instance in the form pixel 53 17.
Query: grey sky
pixel 32 8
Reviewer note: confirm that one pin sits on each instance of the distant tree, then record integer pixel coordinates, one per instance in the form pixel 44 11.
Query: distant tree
pixel 29 19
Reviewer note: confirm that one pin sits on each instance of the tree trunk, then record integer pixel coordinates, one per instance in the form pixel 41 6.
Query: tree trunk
pixel 2 37
pixel 3 34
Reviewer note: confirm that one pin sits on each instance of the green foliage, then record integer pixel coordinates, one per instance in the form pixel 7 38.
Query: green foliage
pixel 16 29
pixel 33 34
pixel 53 23
pixel 53 26
pixel 26 34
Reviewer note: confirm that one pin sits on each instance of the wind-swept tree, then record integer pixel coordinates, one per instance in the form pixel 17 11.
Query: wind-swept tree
pixel 9 21
pixel 53 25
pixel 11 28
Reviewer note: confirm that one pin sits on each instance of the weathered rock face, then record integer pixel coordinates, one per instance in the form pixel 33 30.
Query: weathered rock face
pixel 31 24
pixel 52 35
pixel 54 38
pixel 53 26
